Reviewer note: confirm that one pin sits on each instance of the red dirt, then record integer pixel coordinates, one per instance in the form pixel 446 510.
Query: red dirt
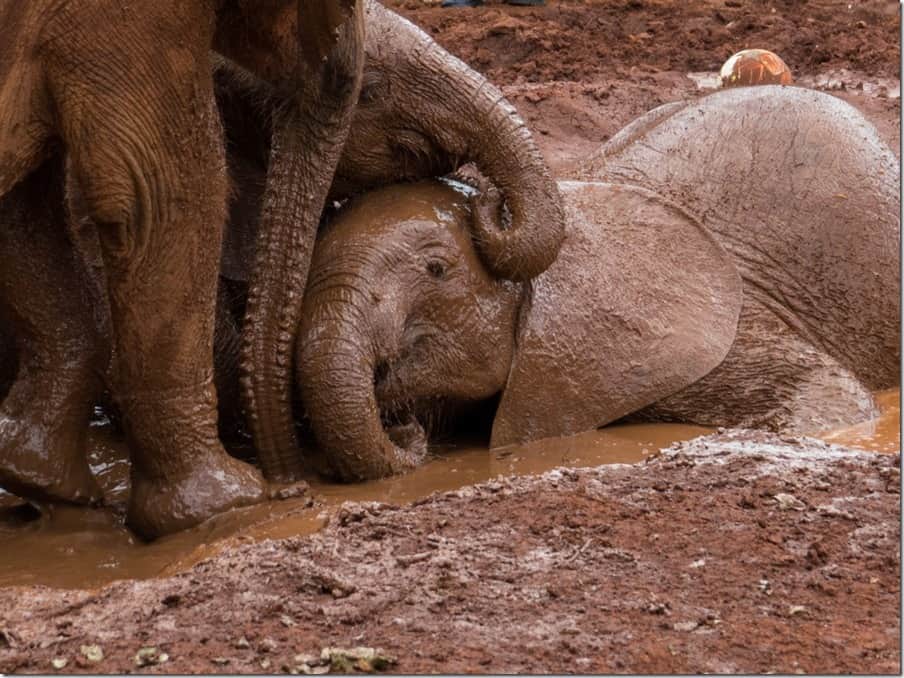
pixel 579 71
pixel 740 552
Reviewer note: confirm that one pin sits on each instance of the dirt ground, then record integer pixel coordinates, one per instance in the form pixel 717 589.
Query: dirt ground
pixel 578 71
pixel 740 552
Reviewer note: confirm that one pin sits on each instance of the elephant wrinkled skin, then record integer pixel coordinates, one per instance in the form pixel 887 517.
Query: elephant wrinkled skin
pixel 758 286
pixel 118 98
pixel 421 113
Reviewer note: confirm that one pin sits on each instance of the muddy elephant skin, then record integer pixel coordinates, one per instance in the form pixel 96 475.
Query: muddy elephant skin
pixel 726 302
pixel 421 113
pixel 122 93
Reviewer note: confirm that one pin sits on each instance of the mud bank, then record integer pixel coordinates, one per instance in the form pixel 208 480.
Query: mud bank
pixel 736 552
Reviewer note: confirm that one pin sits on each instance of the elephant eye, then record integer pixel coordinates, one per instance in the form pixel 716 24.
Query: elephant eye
pixel 371 83
pixel 437 269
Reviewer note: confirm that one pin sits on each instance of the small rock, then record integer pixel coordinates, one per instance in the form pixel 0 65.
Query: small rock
pixel 365 659
pixel 788 502
pixel 148 656
pixel 266 645
pixel 658 608
pixel 796 610
pixel 242 643
pixel 698 563
pixel 59 663
pixel 309 659
pixel 685 626
pixel 220 661
pixel 264 663
pixel 93 653
pixel 286 620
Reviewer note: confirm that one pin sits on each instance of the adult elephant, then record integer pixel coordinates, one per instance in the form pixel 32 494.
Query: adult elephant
pixel 759 287
pixel 421 112
pixel 123 91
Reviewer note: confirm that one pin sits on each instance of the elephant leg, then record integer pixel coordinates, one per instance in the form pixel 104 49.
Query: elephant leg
pixel 772 378
pixel 46 308
pixel 147 159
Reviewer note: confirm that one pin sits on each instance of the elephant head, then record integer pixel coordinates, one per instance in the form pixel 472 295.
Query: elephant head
pixel 311 52
pixel 421 113
pixel 401 310
pixel 437 324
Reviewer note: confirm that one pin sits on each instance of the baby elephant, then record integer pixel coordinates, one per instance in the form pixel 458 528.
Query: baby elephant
pixel 762 292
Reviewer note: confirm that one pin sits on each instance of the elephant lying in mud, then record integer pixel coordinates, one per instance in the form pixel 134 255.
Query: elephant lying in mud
pixel 758 287
pixel 421 113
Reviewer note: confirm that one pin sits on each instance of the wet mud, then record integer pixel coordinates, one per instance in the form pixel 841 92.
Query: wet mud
pixel 737 552
pixel 74 547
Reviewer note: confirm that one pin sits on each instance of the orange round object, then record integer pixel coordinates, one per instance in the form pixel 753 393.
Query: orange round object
pixel 755 67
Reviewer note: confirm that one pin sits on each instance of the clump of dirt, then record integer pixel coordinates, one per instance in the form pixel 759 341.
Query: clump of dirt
pixel 737 552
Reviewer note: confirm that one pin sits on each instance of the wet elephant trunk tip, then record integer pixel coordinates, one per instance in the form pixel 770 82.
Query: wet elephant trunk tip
pixel 336 376
pixel 531 244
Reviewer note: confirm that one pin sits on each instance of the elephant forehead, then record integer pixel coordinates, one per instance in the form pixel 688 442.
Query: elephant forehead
pixel 398 213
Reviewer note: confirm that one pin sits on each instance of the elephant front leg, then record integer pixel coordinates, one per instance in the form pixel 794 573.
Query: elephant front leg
pixel 148 163
pixel 45 305
pixel 162 281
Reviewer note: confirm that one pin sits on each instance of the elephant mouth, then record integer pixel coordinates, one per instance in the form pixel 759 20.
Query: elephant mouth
pixel 399 415
pixel 389 393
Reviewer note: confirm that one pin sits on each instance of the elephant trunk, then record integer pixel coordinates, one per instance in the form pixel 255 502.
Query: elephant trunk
pixel 307 141
pixel 471 120
pixel 336 362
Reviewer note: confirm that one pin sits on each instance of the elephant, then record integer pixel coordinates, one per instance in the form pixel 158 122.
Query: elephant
pixel 392 138
pixel 108 116
pixel 758 287
pixel 421 113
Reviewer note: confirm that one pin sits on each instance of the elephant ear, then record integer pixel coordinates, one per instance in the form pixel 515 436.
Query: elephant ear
pixel 319 22
pixel 640 303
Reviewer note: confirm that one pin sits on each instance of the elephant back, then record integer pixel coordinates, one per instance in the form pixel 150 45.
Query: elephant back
pixel 798 187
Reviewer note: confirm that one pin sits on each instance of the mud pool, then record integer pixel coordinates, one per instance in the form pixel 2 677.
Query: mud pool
pixel 72 547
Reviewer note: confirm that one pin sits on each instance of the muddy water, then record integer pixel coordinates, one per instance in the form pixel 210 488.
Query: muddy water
pixel 879 435
pixel 78 548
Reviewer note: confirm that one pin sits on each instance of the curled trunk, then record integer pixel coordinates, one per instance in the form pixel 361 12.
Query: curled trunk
pixel 470 118
pixel 336 362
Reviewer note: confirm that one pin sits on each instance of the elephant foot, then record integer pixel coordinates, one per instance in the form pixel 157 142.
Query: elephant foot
pixel 215 482
pixel 45 462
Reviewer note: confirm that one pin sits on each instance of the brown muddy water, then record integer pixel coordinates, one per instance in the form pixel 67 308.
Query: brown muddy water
pixel 73 547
